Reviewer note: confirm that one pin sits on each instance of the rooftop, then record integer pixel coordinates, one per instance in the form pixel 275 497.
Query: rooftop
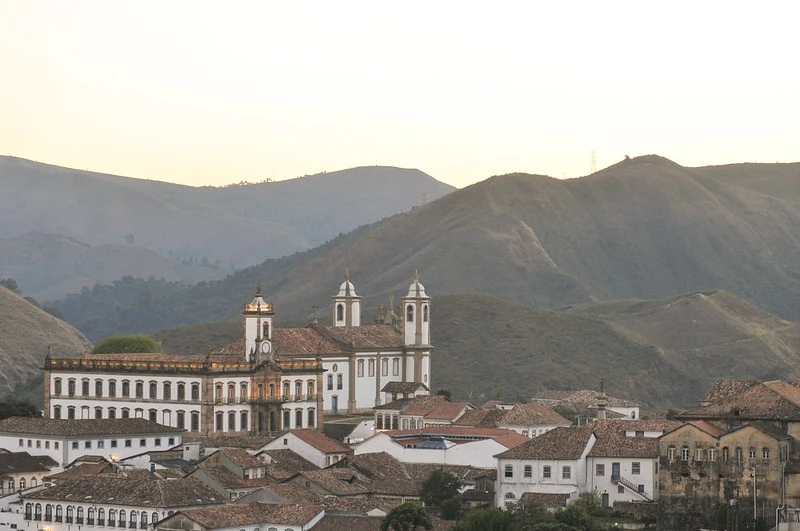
pixel 83 427
pixel 259 514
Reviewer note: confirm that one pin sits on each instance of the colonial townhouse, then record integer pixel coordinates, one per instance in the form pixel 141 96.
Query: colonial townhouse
pixel 271 380
pixel 311 445
pixel 552 463
pixel 21 471
pixel 137 501
pixel 419 412
pixel 65 440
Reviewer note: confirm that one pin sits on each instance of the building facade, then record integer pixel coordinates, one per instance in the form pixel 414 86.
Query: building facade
pixel 270 380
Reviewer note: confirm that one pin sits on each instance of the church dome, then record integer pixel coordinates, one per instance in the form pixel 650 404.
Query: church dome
pixel 347 289
pixel 417 290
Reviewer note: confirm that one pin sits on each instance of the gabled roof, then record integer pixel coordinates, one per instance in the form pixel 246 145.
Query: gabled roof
pixel 728 387
pixel 134 491
pixel 764 427
pixel 705 426
pixel 250 442
pixel 446 410
pixel 533 414
pixel 241 457
pixel 558 443
pixel 23 462
pixel 481 418
pixel 83 427
pixel 259 514
pixel 320 441
pixel 586 398
pixel 339 482
pixel 424 404
pixel 404 387
pixel 618 445
pixel 774 400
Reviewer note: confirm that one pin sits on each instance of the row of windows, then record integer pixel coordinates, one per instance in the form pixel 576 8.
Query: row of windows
pixel 299 387
pixel 125 389
pixel 410 313
pixel 99 444
pixel 11 486
pixel 710 454
pixel 384 367
pixel 56 513
pixel 600 469
pixel 339 382
pixel 547 472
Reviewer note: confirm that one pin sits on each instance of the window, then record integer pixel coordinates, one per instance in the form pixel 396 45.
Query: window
pixel 112 388
pixel 566 472
pixel 395 366
pixel 738 454
pixel 71 387
pixel 765 453
pixel 546 472
pixel 153 390
pixel 98 412
pixel 298 390
pixel 113 444
pixel 132 519
pixel 157 441
pixel 139 389
pixel 409 313
pixel 112 413
pixel 338 381
pixel 311 418
pixel 620 489
pixel 310 390
pixel 371 368
pixel 330 382
pixel 57 386
pixel 195 392
pixel 70 413
pixel 143 520
pixel 90 515
pixel 70 513
pixel 171 442
pixel 56 412
pixel 101 516
pixel 231 421
pixel 126 412
pixel 712 454
pixel 528 471
pixel 360 368
pixel 725 453
pixel 685 453
pixel 98 388
pixel 142 442
pixel 286 390
pixel 195 421
pixel 510 498
pixel 243 392
pixel 287 419
pixel 640 489
pixel 79 515
pixel 298 418
pixel 509 471
pixel 126 388
pixel 600 470
pixel 48 512
pixel 425 314
pixel 167 391
pixel 87 445
pixel 181 391
pixel 384 367
pixel 122 517
pixel 636 468
pixel 752 453
pixel 243 421
pixel 340 312
pixel 101 444
pixel 153 415
pixel 22 484
pixel 640 434
pixel 219 422
pixel 128 443
pixel 85 387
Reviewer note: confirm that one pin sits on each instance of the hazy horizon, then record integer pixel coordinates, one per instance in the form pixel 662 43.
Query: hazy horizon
pixel 202 93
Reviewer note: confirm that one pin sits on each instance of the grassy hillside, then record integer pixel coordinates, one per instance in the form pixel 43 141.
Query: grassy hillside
pixel 643 228
pixel 661 353
pixel 25 333
pixel 233 227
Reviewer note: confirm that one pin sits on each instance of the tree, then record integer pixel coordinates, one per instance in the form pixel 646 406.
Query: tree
pixel 126 344
pixel 445 392
pixel 18 408
pixel 485 520
pixel 526 515
pixel 450 509
pixel 407 517
pixel 10 284
pixel 439 486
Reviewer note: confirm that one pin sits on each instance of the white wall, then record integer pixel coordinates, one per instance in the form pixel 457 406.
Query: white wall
pixel 479 454
pixel 603 484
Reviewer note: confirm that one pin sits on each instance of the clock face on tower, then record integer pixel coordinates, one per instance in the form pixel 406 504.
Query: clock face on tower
pixel 266 347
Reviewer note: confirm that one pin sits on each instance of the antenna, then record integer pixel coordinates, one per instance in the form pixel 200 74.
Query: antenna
pixel 594 162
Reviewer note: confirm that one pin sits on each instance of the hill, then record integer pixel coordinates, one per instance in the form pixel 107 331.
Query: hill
pixel 26 333
pixel 233 227
pixel 48 266
pixel 663 353
pixel 644 228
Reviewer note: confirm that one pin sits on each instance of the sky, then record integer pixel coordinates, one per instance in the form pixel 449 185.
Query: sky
pixel 211 93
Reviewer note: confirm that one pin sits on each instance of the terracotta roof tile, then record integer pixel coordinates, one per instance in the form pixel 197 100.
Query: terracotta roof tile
pixel 424 404
pixel 259 514
pixel 481 418
pixel 533 414
pixel 763 401
pixel 725 388
pixel 132 491
pixel 559 443
pixel 367 336
pixel 403 387
pixel 293 493
pixel 707 427
pixel 320 441
pixel 249 442
pixel 447 410
pixel 83 427
pixel 241 457
pixel 23 462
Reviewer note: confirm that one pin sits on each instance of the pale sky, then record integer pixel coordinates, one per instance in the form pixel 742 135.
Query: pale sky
pixel 206 93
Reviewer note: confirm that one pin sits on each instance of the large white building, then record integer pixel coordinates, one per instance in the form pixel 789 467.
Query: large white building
pixel 270 380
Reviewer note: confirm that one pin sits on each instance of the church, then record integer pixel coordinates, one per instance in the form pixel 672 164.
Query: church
pixel 270 380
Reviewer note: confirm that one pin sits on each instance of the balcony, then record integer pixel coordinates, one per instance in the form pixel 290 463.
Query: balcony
pixel 101 521
pixel 69 519
pixel 59 518
pixel 79 520
pixel 90 521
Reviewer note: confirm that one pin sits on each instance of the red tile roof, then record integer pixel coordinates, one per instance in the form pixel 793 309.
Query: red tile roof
pixel 320 441
pixel 259 514
pixel 559 443
pixel 533 414
pixel 446 411
pixel 83 427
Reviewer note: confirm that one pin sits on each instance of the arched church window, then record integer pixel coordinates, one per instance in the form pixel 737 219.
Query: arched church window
pixel 195 421
pixel 340 312
pixel 409 313
pixel 265 327
pixel 425 313
pixel 310 389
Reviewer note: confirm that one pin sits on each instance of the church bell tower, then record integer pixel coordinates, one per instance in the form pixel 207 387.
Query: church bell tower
pixel 258 329
pixel 346 305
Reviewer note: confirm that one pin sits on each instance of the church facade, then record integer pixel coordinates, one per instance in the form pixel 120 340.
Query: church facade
pixel 272 379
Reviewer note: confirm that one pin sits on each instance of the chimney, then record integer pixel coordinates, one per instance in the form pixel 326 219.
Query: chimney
pixel 601 401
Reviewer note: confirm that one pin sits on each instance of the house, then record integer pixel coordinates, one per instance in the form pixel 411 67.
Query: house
pixel 583 405
pixel 311 445
pixel 419 412
pixel 21 471
pixel 134 501
pixel 66 440
pixel 269 517
pixel 232 472
pixel 529 420
pixel 551 463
